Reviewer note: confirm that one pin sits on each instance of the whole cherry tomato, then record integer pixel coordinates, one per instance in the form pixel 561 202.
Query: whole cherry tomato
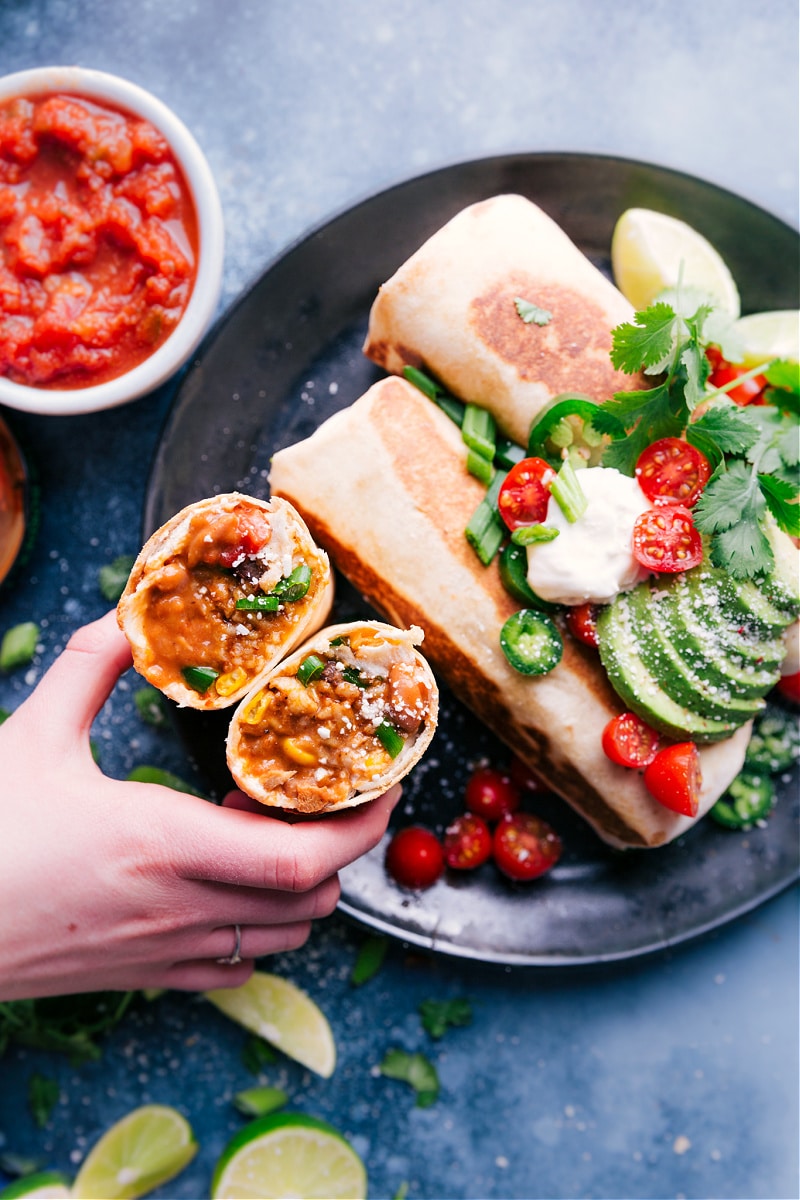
pixel 789 686
pixel 525 846
pixel 723 372
pixel 415 857
pixel 524 496
pixel 582 623
pixel 673 778
pixel 467 842
pixel 665 539
pixel 629 742
pixel 672 471
pixel 491 794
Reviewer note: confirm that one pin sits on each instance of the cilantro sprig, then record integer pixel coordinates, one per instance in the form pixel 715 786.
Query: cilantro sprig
pixel 754 452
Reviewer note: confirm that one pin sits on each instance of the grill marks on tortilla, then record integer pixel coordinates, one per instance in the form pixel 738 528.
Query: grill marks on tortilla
pixel 570 353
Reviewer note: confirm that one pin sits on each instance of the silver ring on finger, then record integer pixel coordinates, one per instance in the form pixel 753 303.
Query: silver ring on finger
pixel 236 957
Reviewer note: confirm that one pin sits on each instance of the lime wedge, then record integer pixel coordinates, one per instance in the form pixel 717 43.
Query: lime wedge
pixel 143 1150
pixel 769 335
pixel 43 1185
pixel 651 251
pixel 289 1154
pixel 284 1016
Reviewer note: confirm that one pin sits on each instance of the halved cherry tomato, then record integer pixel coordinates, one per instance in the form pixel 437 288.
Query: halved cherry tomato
pixel 673 778
pixel 629 742
pixel 524 496
pixel 582 623
pixel 722 372
pixel 525 846
pixel 252 532
pixel 665 539
pixel 672 471
pixel 467 842
pixel 415 857
pixel 491 794
pixel 789 686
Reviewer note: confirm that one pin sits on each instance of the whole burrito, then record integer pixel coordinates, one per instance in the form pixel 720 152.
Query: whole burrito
pixel 452 309
pixel 338 722
pixel 391 510
pixel 219 594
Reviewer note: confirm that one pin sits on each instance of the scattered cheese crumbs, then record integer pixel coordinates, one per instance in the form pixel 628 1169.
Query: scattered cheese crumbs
pixel 681 1144
pixel 501 1161
pixel 323 731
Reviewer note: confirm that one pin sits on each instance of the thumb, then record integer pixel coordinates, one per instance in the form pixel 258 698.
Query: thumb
pixel 74 689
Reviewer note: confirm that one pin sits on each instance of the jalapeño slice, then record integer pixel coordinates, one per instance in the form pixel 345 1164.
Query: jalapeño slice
pixel 750 798
pixel 514 577
pixel 531 642
pixel 564 430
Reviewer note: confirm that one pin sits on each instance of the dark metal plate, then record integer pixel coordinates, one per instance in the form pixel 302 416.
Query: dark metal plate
pixel 286 357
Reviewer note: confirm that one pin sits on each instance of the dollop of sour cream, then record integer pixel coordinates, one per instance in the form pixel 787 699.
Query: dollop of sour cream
pixel 592 559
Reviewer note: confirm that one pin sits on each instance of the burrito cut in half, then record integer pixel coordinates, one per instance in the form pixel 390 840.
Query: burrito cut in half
pixel 338 722
pixel 219 594
pixel 393 519
pixel 505 311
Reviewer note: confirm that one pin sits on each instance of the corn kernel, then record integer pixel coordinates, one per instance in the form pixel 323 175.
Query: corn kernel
pixel 231 681
pixel 297 749
pixel 376 762
pixel 363 637
pixel 255 709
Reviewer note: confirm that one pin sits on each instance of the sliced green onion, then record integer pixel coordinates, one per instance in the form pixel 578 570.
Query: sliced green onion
pixel 341 640
pixel 480 467
pixel 529 535
pixel 531 642
pixel 310 668
pixel 18 646
pixel 353 675
pixel 389 738
pixel 452 407
pixel 429 387
pixel 268 603
pixel 568 493
pixel 295 585
pixel 200 678
pixel 507 453
pixel 486 530
pixel 479 431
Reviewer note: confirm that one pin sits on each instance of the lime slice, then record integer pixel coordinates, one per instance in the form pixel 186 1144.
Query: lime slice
pixel 143 1150
pixel 769 335
pixel 288 1154
pixel 283 1015
pixel 43 1185
pixel 650 251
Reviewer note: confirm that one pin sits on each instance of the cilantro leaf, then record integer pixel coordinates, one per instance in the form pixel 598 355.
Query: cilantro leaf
pixel 648 415
pixel 416 1070
pixel 728 495
pixel 439 1015
pixel 742 550
pixel 112 577
pixel 531 313
pixel 731 428
pixel 781 498
pixel 644 342
pixel 370 959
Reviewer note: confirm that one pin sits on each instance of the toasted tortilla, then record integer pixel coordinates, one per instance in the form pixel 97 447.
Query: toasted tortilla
pixel 451 309
pixel 264 779
pixel 391 508
pixel 201 641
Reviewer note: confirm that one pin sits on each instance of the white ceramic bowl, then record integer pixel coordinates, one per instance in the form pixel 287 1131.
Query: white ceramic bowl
pixel 200 311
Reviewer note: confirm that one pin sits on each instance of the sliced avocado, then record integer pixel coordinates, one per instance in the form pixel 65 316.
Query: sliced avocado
pixel 707 631
pixel 639 690
pixel 782 584
pixel 719 701
pixel 746 599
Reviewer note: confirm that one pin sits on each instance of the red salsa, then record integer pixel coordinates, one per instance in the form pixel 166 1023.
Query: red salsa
pixel 98 241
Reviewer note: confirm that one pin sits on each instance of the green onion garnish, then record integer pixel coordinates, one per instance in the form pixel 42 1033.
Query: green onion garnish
pixel 486 530
pixel 480 467
pixel 429 387
pixel 268 603
pixel 342 640
pixel 507 453
pixel 568 493
pixel 310 668
pixel 200 678
pixel 479 431
pixel 18 646
pixel 353 675
pixel 453 408
pixel 293 586
pixel 529 535
pixel 389 738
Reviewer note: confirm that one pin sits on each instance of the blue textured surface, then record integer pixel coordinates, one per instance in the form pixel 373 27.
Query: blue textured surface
pixel 676 1076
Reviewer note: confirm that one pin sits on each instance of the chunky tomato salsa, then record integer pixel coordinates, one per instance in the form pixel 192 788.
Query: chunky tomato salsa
pixel 98 241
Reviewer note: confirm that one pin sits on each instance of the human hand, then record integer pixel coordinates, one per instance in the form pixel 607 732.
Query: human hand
pixel 113 885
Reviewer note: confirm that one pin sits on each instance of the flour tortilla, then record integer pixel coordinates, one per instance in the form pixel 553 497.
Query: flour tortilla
pixel 450 309
pixel 383 488
pixel 311 612
pixel 415 745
